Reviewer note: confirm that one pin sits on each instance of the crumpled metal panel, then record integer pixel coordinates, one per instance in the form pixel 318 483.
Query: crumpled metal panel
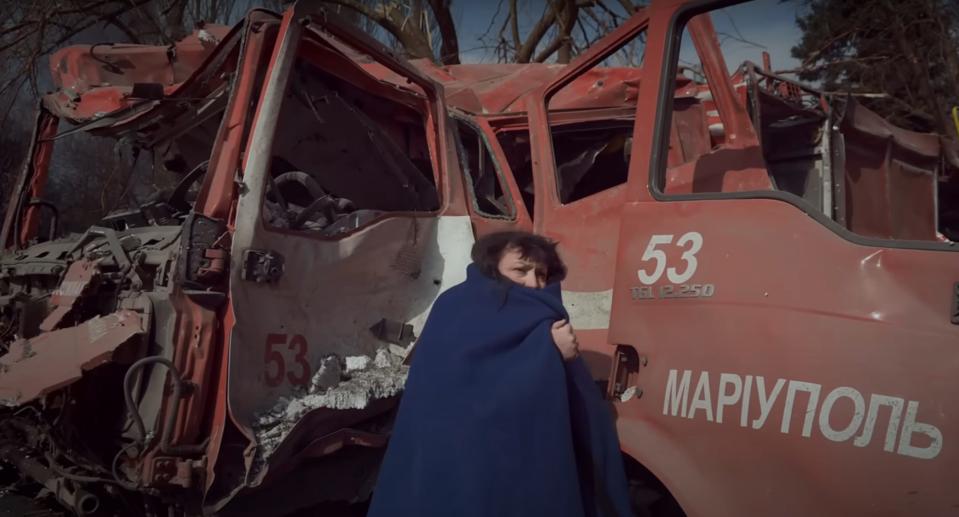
pixel 77 281
pixel 93 80
pixel 891 176
pixel 37 366
pixel 867 121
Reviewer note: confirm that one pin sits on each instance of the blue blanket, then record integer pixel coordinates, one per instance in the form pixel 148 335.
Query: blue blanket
pixel 493 422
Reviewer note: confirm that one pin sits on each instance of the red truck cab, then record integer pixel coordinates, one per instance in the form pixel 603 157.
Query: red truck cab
pixel 762 274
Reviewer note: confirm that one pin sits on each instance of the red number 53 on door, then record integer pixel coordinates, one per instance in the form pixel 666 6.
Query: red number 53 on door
pixel 275 361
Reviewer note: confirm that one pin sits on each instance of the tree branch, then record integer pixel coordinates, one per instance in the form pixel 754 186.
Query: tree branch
pixel 582 30
pixel 862 61
pixel 612 14
pixel 13 97
pixel 116 22
pixel 82 27
pixel 17 27
pixel 814 55
pixel 13 43
pixel 492 20
pixel 565 14
pixel 85 8
pixel 514 24
pixel 415 47
pixel 628 6
pixel 525 52
pixel 450 48
pixel 146 16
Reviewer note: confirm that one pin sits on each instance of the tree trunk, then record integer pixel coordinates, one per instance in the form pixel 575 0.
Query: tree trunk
pixel 450 48
pixel 415 43
pixel 525 52
pixel 566 23
pixel 564 12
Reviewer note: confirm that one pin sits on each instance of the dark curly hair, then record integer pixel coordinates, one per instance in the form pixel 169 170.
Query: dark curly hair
pixel 488 250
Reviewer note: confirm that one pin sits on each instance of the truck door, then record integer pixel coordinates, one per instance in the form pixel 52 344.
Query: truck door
pixel 350 220
pixel 581 124
pixel 784 297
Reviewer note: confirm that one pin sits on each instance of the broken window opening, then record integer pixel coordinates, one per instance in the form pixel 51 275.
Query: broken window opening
pixel 591 157
pixel 485 180
pixel 127 182
pixel 591 154
pixel 516 147
pixel 343 156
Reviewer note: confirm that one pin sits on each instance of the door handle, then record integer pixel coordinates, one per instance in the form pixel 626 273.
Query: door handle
pixel 626 364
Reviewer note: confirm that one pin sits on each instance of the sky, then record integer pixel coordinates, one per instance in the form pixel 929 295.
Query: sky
pixel 769 23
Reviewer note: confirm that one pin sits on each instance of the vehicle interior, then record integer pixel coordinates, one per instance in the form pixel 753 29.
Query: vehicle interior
pixel 343 156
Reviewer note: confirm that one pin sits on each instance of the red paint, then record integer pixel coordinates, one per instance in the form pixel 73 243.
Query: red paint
pixel 273 360
pixel 774 292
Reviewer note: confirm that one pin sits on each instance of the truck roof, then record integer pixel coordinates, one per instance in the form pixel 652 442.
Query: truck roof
pixel 93 81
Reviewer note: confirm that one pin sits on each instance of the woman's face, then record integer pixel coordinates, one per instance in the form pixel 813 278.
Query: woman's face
pixel 513 266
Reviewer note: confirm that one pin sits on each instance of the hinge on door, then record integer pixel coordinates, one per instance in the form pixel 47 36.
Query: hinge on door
pixel 626 363
pixel 955 303
pixel 265 266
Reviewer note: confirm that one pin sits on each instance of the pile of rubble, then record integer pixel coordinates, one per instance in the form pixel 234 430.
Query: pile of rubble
pixel 339 383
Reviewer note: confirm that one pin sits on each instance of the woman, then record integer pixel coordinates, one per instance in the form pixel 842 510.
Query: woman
pixel 500 417
pixel 529 260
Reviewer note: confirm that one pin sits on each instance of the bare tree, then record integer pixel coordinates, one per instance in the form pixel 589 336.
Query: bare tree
pixel 97 175
pixel 564 29
pixel 421 28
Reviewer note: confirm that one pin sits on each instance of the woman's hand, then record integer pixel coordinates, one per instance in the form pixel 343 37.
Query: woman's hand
pixel 565 339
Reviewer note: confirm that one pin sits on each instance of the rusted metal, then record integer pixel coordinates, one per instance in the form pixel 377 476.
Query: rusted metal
pixel 897 196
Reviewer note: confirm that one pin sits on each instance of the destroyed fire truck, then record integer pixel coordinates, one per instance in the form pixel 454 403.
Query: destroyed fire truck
pixel 762 276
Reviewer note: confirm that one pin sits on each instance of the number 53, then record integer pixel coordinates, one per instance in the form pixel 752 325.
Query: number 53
pixel 693 239
pixel 275 362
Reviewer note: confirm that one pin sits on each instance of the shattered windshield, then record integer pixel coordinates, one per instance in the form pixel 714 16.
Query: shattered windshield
pixel 99 179
pixel 343 154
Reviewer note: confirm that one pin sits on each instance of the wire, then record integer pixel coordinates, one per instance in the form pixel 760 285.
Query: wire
pixel 178 386
pixel 76 477
pixel 113 468
pixel 132 406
